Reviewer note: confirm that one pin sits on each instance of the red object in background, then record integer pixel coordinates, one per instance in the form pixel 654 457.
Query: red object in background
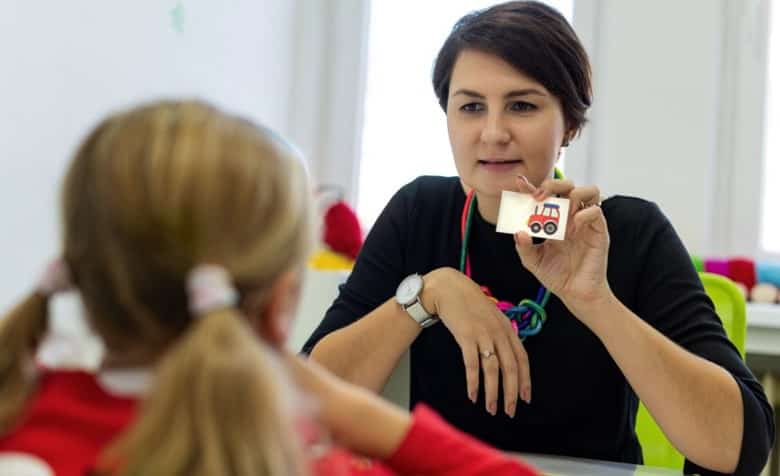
pixel 342 232
pixel 717 266
pixel 743 270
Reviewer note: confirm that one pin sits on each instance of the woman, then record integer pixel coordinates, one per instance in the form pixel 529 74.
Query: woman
pixel 613 314
pixel 185 230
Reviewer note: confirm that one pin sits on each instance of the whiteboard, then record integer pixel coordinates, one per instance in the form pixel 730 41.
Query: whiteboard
pixel 65 64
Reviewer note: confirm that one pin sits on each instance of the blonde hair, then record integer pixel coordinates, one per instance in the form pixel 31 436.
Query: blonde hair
pixel 152 193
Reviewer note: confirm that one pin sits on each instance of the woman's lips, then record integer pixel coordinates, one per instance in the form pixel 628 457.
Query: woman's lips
pixel 499 165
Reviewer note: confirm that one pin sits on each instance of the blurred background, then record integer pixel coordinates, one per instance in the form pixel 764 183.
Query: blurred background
pixel 684 111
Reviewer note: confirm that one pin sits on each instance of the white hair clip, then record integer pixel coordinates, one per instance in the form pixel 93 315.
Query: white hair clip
pixel 209 289
pixel 55 279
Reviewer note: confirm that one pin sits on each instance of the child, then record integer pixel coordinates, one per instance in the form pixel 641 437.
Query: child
pixel 185 231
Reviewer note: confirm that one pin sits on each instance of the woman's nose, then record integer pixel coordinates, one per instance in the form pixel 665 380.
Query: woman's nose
pixel 494 131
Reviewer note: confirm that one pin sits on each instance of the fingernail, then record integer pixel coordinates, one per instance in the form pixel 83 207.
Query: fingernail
pixel 526 395
pixel 473 397
pixel 491 408
pixel 510 409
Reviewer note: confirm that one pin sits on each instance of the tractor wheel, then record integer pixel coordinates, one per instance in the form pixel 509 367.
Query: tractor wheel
pixel 550 228
pixel 535 227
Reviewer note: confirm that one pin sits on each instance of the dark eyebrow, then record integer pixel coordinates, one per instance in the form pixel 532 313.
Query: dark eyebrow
pixel 518 92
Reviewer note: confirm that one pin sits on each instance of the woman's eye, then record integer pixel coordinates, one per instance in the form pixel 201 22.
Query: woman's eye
pixel 472 107
pixel 522 106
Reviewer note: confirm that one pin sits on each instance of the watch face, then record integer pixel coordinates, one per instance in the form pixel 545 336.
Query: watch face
pixel 409 289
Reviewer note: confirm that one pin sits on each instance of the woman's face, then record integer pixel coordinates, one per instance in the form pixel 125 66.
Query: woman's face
pixel 501 124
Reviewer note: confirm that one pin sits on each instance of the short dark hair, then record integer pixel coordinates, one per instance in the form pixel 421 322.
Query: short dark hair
pixel 532 37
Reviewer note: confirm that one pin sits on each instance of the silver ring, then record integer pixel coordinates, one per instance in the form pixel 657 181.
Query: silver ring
pixel 487 354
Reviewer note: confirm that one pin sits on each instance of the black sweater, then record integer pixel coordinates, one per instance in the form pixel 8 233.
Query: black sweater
pixel 582 405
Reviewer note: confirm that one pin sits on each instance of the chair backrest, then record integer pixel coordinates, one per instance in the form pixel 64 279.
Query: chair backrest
pixel 730 307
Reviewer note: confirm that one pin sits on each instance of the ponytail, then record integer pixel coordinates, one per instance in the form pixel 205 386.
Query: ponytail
pixel 216 408
pixel 21 330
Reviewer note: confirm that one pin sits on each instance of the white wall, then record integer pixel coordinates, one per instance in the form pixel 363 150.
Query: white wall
pixel 658 77
pixel 653 125
pixel 63 65
pixel 669 122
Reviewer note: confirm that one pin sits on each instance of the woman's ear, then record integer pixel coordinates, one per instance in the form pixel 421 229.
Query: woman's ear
pixel 272 316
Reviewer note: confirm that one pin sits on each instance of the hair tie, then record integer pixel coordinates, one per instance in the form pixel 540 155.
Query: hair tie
pixel 209 289
pixel 55 279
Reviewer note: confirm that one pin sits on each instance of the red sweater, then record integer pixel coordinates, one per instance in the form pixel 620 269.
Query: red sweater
pixel 72 418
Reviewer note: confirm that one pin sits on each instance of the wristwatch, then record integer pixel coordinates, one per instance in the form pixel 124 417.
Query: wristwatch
pixel 408 296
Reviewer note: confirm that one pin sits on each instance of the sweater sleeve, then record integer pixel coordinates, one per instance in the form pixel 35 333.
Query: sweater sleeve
pixel 378 269
pixel 670 297
pixel 433 447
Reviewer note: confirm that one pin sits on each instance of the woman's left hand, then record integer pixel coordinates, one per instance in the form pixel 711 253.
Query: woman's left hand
pixel 574 269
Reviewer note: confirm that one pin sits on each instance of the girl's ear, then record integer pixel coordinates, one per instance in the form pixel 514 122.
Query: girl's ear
pixel 272 316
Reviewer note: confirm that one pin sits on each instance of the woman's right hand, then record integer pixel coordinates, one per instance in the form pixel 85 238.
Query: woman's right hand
pixel 484 334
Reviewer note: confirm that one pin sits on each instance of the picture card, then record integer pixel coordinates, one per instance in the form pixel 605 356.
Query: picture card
pixel 521 212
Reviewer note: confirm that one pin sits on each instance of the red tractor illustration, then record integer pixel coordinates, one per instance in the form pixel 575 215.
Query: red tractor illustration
pixel 546 219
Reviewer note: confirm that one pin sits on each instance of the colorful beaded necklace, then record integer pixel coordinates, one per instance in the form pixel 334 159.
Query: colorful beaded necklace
pixel 528 316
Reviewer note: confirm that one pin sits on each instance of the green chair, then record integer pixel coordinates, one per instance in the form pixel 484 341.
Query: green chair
pixel 730 307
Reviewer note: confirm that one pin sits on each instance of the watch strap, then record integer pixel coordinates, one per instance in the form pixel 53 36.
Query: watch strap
pixel 420 315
